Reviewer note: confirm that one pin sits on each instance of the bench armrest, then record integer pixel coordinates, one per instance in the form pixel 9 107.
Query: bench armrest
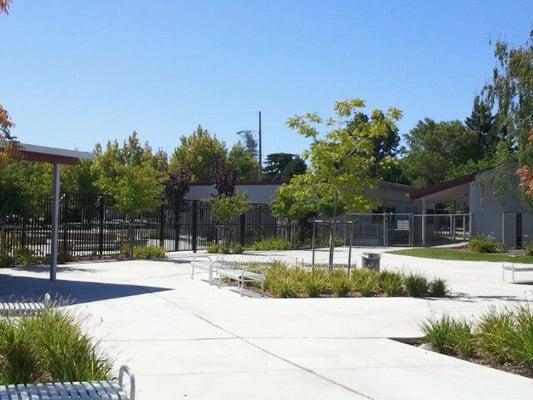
pixel 124 369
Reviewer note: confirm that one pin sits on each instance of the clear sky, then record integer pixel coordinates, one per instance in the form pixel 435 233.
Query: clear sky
pixel 77 72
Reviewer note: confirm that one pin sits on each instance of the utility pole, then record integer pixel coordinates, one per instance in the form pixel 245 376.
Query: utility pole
pixel 260 149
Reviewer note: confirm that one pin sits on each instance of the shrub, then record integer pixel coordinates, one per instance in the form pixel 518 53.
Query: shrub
pixel 6 261
pixel 449 336
pixel 214 248
pixel 237 249
pixel 271 244
pixel 391 283
pixel 528 248
pixel 148 252
pixel 25 257
pixel 366 281
pixel 284 286
pixel 483 244
pixel 315 283
pixel 341 284
pixel 49 346
pixel 416 285
pixel 438 288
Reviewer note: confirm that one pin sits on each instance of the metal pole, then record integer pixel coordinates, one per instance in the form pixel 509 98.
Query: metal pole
pixel 384 229
pixel 194 223
pixel 313 245
pixel 260 148
pixel 55 221
pixel 464 227
pixel 424 222
pixel 350 249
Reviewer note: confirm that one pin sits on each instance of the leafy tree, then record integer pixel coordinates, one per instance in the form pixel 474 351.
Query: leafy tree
pixel 283 166
pixel 79 178
pixel 176 187
pixel 200 153
pixel 8 145
pixel 510 97
pixel 249 142
pixel 434 148
pixel 4 6
pixel 242 161
pixel 341 164
pixel 225 179
pixel 525 172
pixel 127 175
pixel 481 122
pixel 225 209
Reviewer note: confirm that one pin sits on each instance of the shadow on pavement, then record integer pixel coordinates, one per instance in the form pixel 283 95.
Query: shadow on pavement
pixel 77 292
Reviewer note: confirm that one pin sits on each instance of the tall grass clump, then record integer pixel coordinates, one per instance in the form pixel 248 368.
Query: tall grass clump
pixel 366 281
pixel 391 283
pixel 416 285
pixel 49 346
pixel 316 283
pixel 438 288
pixel 449 336
pixel 271 244
pixel 341 284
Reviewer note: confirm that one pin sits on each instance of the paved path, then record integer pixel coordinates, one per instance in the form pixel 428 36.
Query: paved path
pixel 186 339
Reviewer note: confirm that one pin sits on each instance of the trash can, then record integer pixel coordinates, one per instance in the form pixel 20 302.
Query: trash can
pixel 371 261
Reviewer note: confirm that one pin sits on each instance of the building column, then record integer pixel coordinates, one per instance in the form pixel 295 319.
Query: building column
pixel 55 221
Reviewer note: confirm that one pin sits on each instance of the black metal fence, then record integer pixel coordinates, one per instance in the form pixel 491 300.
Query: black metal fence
pixel 90 226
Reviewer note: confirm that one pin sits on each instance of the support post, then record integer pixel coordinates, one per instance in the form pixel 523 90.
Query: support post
pixel 384 229
pixel 55 221
pixel 162 225
pixel 470 225
pixel 242 229
pixel 464 227
pixel 313 245
pixel 411 229
pixel 350 248
pixel 101 216
pixel 424 222
pixel 194 227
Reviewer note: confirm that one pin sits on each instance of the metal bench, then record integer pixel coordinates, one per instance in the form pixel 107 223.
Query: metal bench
pixel 241 276
pixel 507 266
pixel 72 390
pixel 10 309
pixel 202 262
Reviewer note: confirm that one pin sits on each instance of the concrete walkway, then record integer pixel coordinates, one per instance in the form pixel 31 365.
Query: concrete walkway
pixel 186 339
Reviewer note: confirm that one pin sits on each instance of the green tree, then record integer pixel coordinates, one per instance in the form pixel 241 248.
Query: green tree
pixel 200 153
pixel 435 148
pixel 225 210
pixel 249 142
pixel 243 163
pixel 283 166
pixel 127 175
pixel 341 164
pixel 481 123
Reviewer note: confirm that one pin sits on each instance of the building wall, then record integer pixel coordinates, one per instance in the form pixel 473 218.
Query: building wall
pixel 498 218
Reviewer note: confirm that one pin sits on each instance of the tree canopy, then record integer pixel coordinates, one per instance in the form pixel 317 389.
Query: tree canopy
pixel 283 166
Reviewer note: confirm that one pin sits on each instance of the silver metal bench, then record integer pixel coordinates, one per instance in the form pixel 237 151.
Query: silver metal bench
pixel 10 309
pixel 204 263
pixel 507 266
pixel 73 390
pixel 241 276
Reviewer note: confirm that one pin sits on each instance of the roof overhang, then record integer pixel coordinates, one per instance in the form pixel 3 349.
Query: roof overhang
pixel 52 155
pixel 457 190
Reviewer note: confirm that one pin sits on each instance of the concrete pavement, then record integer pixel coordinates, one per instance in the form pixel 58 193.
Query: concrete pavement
pixel 186 339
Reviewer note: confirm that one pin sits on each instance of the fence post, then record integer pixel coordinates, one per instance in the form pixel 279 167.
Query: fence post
pixel 162 225
pixel 242 230
pixel 411 229
pixel 194 227
pixel 350 248
pixel 464 227
pixel 101 217
pixel 384 229
pixel 176 226
pixel 65 216
pixel 424 222
pixel 470 225
pixel 313 245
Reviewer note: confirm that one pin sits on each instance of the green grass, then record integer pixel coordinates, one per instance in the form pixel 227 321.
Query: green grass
pixel 465 255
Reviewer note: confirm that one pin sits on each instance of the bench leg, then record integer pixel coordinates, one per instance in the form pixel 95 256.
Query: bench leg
pixel 242 287
pixel 513 275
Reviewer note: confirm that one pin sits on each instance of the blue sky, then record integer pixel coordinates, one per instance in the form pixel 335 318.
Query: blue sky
pixel 79 72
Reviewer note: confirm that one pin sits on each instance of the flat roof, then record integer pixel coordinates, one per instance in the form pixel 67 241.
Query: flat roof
pixel 53 155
